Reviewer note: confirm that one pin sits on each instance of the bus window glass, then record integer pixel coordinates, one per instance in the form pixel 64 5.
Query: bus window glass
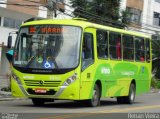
pixel 147 50
pixel 102 44
pixel 115 45
pixel 139 49
pixel 46 47
pixel 87 50
pixel 128 47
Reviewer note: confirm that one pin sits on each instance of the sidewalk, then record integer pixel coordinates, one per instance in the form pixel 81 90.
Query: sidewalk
pixel 7 96
pixel 4 82
pixel 155 90
pixel 4 96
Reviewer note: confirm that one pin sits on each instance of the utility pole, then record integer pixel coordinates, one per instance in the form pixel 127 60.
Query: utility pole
pixel 51 7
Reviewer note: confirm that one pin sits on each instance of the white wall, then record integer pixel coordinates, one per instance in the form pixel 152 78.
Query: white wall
pixel 4 35
pixel 42 12
pixel 123 4
pixel 156 6
pixel 5 67
pixel 4 32
pixel 68 10
pixel 3 5
pixel 150 6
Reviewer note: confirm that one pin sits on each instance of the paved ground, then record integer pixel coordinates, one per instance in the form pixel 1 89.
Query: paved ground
pixel 144 104
pixel 4 81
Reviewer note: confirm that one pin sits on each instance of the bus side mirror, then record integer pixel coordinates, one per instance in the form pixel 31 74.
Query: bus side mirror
pixel 9 44
pixel 9 55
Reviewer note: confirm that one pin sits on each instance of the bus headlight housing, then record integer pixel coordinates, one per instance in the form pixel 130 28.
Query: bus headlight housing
pixel 70 80
pixel 16 78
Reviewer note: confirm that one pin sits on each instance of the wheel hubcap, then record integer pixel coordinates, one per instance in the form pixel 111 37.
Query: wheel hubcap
pixel 132 95
pixel 95 97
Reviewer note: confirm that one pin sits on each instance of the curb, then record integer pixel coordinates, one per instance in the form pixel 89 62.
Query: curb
pixel 155 91
pixel 5 93
pixel 11 98
pixel 7 96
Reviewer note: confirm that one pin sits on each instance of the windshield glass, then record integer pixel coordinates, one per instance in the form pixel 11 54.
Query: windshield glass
pixel 47 47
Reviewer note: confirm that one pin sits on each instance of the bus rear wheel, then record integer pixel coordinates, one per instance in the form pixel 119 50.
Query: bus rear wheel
pixel 95 100
pixel 130 98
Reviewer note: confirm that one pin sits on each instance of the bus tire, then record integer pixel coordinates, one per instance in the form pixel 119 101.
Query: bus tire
pixel 95 101
pixel 131 96
pixel 38 101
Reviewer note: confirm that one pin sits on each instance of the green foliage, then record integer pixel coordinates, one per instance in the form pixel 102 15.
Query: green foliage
pixel 155 83
pixel 156 57
pixel 156 48
pixel 125 17
pixel 108 10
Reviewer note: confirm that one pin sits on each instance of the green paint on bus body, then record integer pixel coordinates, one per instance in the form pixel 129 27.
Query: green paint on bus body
pixel 115 75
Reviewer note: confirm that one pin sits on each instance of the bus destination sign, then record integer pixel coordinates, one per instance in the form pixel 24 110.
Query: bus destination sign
pixel 46 29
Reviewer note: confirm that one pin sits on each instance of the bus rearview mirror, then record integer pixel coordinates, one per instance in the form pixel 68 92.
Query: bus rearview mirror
pixel 9 44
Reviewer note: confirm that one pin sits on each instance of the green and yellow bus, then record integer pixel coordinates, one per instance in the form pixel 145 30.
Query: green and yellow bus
pixel 77 60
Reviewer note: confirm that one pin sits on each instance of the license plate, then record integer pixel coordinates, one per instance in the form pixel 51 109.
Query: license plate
pixel 40 90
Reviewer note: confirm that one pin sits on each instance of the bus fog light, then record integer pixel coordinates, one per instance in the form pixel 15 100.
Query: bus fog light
pixel 69 81
pixel 74 77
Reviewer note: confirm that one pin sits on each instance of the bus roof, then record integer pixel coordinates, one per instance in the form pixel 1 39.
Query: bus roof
pixel 84 24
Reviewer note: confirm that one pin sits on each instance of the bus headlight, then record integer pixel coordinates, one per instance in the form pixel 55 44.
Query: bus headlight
pixel 70 80
pixel 16 78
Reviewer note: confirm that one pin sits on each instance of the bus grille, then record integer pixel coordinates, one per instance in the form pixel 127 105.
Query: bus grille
pixel 42 83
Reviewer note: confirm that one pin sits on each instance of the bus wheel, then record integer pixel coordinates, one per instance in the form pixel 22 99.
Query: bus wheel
pixel 95 101
pixel 130 98
pixel 38 101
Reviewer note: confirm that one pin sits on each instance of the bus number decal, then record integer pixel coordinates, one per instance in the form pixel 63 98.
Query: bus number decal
pixel 105 70
pixel 128 73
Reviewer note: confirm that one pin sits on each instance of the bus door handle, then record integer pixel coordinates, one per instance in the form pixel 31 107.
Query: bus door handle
pixel 88 75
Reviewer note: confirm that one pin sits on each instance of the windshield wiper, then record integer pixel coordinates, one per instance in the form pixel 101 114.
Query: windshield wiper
pixel 30 61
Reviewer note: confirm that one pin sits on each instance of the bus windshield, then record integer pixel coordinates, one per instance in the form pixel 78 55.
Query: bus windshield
pixel 47 47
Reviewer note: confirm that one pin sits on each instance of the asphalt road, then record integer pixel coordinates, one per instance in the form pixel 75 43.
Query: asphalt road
pixel 146 105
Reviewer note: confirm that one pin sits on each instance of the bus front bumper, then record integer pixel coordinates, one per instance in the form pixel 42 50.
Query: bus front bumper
pixel 70 92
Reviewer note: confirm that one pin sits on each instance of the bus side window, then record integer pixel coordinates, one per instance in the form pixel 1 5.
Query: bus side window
pixel 128 47
pixel 147 50
pixel 139 49
pixel 115 45
pixel 87 50
pixel 102 44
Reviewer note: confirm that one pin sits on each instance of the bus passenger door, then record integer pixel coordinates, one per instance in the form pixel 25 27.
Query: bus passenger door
pixel 87 67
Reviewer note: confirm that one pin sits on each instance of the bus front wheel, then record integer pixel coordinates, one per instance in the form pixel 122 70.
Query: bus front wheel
pixel 38 101
pixel 95 100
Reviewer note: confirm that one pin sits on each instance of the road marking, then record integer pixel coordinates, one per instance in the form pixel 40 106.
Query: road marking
pixel 82 114
pixel 128 109
pixel 68 116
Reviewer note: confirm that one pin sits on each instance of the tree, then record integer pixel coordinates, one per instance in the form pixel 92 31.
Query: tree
pixel 125 17
pixel 104 11
pixel 156 55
